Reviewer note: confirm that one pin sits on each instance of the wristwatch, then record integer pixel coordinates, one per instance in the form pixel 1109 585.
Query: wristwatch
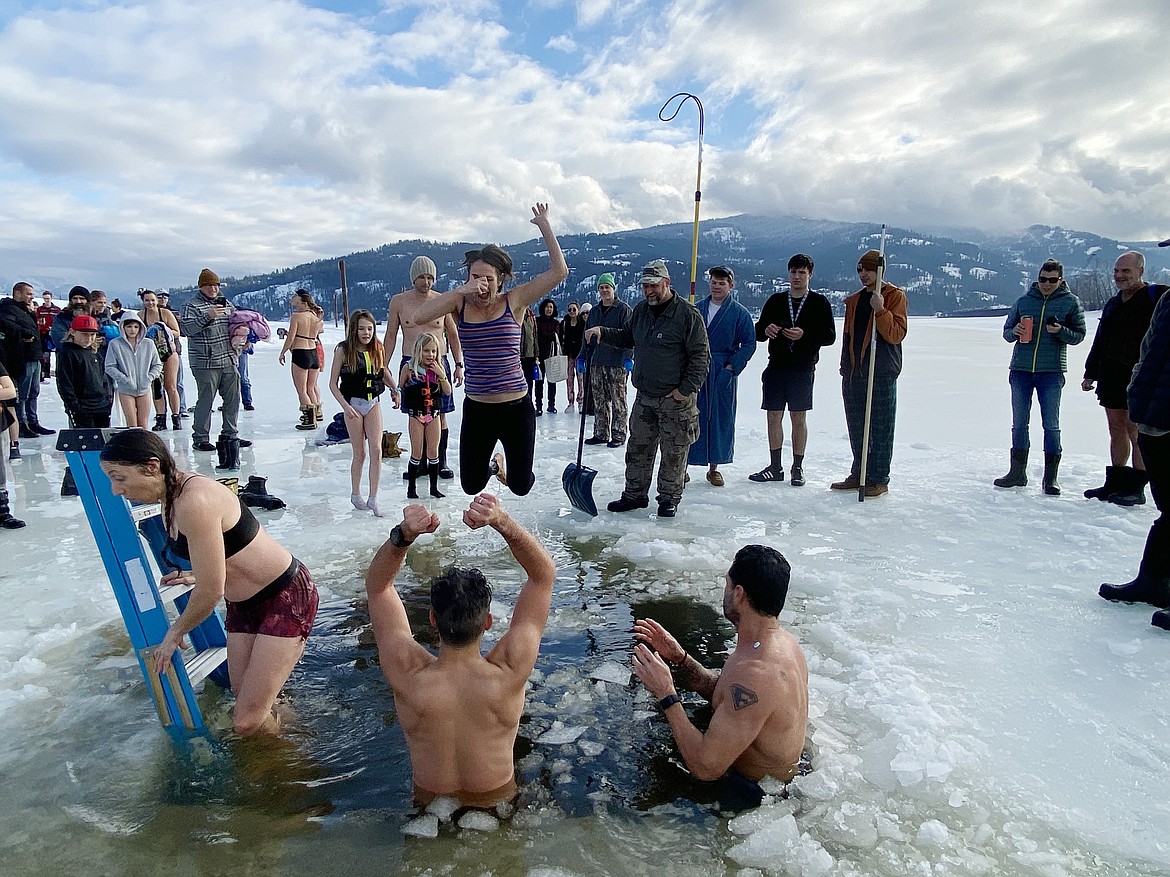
pixel 398 538
pixel 669 701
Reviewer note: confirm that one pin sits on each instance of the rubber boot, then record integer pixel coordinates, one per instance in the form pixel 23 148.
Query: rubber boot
pixel 6 520
pixel 444 470
pixel 1130 487
pixel 1018 473
pixel 1110 485
pixel 308 418
pixel 68 485
pixel 160 422
pixel 433 471
pixel 222 452
pixel 176 421
pixel 1051 470
pixel 412 473
pixel 229 457
pixel 1146 588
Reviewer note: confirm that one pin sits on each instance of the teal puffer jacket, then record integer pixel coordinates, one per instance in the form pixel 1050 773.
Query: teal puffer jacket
pixel 1047 351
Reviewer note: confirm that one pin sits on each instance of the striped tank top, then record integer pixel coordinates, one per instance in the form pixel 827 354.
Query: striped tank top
pixel 491 355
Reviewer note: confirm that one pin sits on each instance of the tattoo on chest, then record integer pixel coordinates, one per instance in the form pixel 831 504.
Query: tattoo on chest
pixel 742 697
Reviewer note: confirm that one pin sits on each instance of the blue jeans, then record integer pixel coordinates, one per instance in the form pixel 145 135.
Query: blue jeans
pixel 28 392
pixel 245 381
pixel 1047 386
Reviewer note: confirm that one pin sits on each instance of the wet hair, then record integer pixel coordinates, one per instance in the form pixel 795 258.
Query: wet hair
pixel 460 597
pixel 492 255
pixel 353 347
pixel 137 447
pixel 763 573
pixel 1053 265
pixel 547 301
pixel 415 365
pixel 800 260
pixel 306 298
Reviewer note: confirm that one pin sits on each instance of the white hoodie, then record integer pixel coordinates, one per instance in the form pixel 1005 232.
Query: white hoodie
pixel 132 367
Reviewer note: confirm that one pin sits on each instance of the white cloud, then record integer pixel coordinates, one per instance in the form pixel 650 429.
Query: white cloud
pixel 144 140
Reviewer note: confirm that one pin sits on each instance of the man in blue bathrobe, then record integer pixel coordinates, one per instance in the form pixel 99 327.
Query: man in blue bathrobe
pixel 733 341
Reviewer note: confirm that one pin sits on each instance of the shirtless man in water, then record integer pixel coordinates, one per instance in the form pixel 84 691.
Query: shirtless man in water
pixel 460 711
pixel 760 699
pixel 403 307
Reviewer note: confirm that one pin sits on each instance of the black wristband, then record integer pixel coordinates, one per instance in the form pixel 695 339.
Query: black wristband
pixel 669 701
pixel 398 538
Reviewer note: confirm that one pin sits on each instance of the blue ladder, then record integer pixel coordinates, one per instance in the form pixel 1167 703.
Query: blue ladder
pixel 120 531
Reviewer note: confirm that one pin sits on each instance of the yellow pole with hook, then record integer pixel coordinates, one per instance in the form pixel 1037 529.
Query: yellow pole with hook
pixel 686 96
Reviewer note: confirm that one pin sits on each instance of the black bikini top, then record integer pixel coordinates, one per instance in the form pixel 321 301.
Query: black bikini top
pixel 235 540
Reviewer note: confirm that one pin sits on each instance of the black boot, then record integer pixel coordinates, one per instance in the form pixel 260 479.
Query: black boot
pixel 1161 619
pixel 444 469
pixel 176 422
pixel 68 485
pixel 1018 473
pixel 1110 485
pixel 41 430
pixel 229 452
pixel 1051 469
pixel 6 520
pixel 433 471
pixel 1130 487
pixel 222 452
pixel 255 493
pixel 160 422
pixel 412 472
pixel 1146 588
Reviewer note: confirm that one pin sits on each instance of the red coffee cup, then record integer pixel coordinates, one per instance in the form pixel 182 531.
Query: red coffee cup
pixel 1026 325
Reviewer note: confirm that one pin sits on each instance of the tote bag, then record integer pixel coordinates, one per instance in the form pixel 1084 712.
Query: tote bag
pixel 556 367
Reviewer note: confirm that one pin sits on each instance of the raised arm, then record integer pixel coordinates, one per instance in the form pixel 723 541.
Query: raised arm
pixel 447 303
pixel 398 653
pixel 527 293
pixel 518 648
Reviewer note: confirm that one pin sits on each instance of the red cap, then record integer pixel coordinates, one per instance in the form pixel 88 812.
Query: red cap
pixel 84 323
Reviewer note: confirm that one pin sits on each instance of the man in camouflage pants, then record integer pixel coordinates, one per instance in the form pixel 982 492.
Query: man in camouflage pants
pixel 607 369
pixel 671 356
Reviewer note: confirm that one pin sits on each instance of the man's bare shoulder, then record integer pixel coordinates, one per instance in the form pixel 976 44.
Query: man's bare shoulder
pixel 766 675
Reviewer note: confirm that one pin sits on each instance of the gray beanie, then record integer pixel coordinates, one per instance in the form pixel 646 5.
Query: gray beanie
pixel 422 265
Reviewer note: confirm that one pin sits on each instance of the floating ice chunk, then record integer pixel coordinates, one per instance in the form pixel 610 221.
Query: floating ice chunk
pixel 753 820
pixel 932 833
pixel 611 671
pixel 749 872
pixel 773 843
pixel 560 733
pixel 816 785
pixel 1130 648
pixel 477 820
pixel 442 808
pixel 639 715
pixel 424 826
pixel 591 747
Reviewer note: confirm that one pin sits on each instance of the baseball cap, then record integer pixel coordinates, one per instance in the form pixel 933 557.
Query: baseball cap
pixel 655 271
pixel 84 323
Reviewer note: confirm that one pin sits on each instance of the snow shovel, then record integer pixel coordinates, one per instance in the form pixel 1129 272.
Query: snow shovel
pixel 578 479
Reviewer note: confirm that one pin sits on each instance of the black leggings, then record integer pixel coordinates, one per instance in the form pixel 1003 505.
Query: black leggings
pixel 512 424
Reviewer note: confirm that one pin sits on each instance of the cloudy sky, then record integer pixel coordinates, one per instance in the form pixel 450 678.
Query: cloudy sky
pixel 142 141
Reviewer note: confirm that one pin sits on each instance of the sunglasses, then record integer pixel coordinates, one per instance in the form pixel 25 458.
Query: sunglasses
pixel 1049 279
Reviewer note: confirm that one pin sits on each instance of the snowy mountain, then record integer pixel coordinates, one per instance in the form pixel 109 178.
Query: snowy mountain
pixel 940 274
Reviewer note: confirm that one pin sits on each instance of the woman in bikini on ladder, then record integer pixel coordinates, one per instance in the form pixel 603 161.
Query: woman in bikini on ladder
pixel 271 597
pixel 497 407
pixel 305 324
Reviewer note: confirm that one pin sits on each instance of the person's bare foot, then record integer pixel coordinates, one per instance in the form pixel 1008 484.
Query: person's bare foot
pixel 501 470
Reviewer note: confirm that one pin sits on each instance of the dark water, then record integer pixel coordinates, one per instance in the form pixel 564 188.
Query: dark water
pixel 337 783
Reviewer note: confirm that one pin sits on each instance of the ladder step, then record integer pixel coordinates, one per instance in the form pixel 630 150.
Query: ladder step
pixel 140 513
pixel 202 665
pixel 171 593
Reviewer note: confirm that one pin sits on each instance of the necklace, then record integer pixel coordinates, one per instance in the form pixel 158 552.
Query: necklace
pixel 794 315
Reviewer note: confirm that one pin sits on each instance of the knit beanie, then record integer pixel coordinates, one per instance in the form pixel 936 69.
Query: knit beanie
pixel 207 277
pixel 420 266
pixel 606 278
pixel 870 260
pixel 79 290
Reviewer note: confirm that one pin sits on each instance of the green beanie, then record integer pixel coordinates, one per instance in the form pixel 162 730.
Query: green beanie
pixel 606 278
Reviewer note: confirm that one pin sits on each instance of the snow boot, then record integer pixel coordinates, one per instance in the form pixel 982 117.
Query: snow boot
pixel 176 422
pixel 317 415
pixel 412 473
pixel 160 422
pixel 1018 473
pixel 433 471
pixel 1130 487
pixel 6 520
pixel 1154 590
pixel 444 469
pixel 1051 469
pixel 1110 485
pixel 308 418
pixel 255 493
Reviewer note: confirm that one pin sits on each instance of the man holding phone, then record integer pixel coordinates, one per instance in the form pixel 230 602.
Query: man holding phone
pixel 1041 325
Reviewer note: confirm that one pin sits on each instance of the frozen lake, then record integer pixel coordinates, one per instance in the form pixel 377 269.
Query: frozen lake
pixel 975 708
